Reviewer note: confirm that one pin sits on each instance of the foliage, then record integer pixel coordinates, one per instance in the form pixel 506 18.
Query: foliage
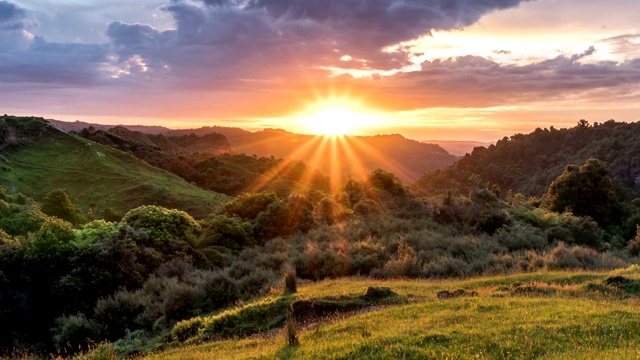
pixel 166 227
pixel 248 206
pixel 528 163
pixel 538 315
pixel 96 177
pixel 57 203
pixel 587 191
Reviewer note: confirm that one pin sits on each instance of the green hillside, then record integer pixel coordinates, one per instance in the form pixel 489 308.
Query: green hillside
pixel 205 163
pixel 37 157
pixel 556 315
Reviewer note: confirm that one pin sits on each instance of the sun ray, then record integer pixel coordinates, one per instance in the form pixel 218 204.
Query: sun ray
pixel 356 167
pixel 387 164
pixel 261 183
pixel 313 163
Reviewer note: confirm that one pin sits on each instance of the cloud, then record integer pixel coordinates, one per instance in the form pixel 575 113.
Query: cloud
pixel 54 64
pixel 221 43
pixel 472 81
pixel 15 26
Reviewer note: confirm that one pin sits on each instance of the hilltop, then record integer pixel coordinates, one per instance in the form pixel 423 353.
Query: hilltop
pixel 38 157
pixel 528 163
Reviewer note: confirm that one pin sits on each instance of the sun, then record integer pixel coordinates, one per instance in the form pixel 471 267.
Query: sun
pixel 337 121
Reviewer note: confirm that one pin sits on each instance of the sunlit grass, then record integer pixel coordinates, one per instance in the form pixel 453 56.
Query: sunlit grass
pixel 562 319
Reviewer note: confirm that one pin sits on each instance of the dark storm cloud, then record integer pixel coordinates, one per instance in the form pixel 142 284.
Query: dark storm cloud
pixel 11 16
pixel 53 63
pixel 278 39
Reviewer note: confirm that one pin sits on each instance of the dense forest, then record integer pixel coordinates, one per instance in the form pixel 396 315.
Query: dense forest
pixel 528 163
pixel 69 278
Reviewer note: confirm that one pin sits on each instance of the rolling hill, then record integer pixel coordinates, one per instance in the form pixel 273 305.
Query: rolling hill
pixel 205 161
pixel 339 158
pixel 343 157
pixel 37 157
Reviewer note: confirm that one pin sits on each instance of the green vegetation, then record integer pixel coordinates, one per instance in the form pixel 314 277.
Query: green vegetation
pixel 151 278
pixel 542 315
pixel 198 160
pixel 37 158
pixel 528 163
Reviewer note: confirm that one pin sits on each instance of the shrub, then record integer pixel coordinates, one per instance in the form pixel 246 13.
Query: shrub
pixel 249 206
pixel 57 203
pixel 118 312
pixel 163 225
pixel 290 286
pixel 404 263
pixel 367 207
pixel 521 237
pixel 291 330
pixel 581 257
pixel 76 330
pixel 229 232
pixel 218 290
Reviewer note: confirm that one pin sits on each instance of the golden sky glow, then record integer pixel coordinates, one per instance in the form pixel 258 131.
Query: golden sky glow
pixel 338 121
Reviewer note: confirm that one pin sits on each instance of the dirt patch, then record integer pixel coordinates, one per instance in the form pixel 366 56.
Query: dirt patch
pixel 616 280
pixel 446 294
pixel 306 311
pixel 378 293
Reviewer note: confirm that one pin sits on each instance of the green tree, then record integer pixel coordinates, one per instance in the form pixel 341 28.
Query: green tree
pixel 57 203
pixel 585 190
pixel 168 229
pixel 388 182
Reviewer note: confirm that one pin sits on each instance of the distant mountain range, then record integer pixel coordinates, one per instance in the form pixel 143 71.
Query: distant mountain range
pixel 458 147
pixel 339 158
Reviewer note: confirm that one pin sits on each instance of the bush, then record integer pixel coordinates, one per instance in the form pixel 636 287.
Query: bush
pixel 57 203
pixel 76 330
pixel 229 232
pixel 290 286
pixel 521 237
pixel 119 312
pixel 249 206
pixel 580 257
pixel 163 225
pixel 404 263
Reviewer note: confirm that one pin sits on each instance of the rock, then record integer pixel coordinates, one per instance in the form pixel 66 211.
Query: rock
pixel 378 293
pixel 444 294
pixel 305 310
pixel 616 280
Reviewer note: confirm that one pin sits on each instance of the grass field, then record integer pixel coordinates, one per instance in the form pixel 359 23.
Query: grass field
pixel 559 315
pixel 95 176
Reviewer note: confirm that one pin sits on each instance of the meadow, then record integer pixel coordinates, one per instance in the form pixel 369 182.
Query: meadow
pixel 547 315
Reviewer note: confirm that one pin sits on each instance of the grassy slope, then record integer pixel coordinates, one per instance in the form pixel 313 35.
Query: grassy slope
pixel 97 176
pixel 564 318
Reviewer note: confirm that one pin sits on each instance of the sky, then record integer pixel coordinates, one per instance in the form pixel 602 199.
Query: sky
pixel 427 69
